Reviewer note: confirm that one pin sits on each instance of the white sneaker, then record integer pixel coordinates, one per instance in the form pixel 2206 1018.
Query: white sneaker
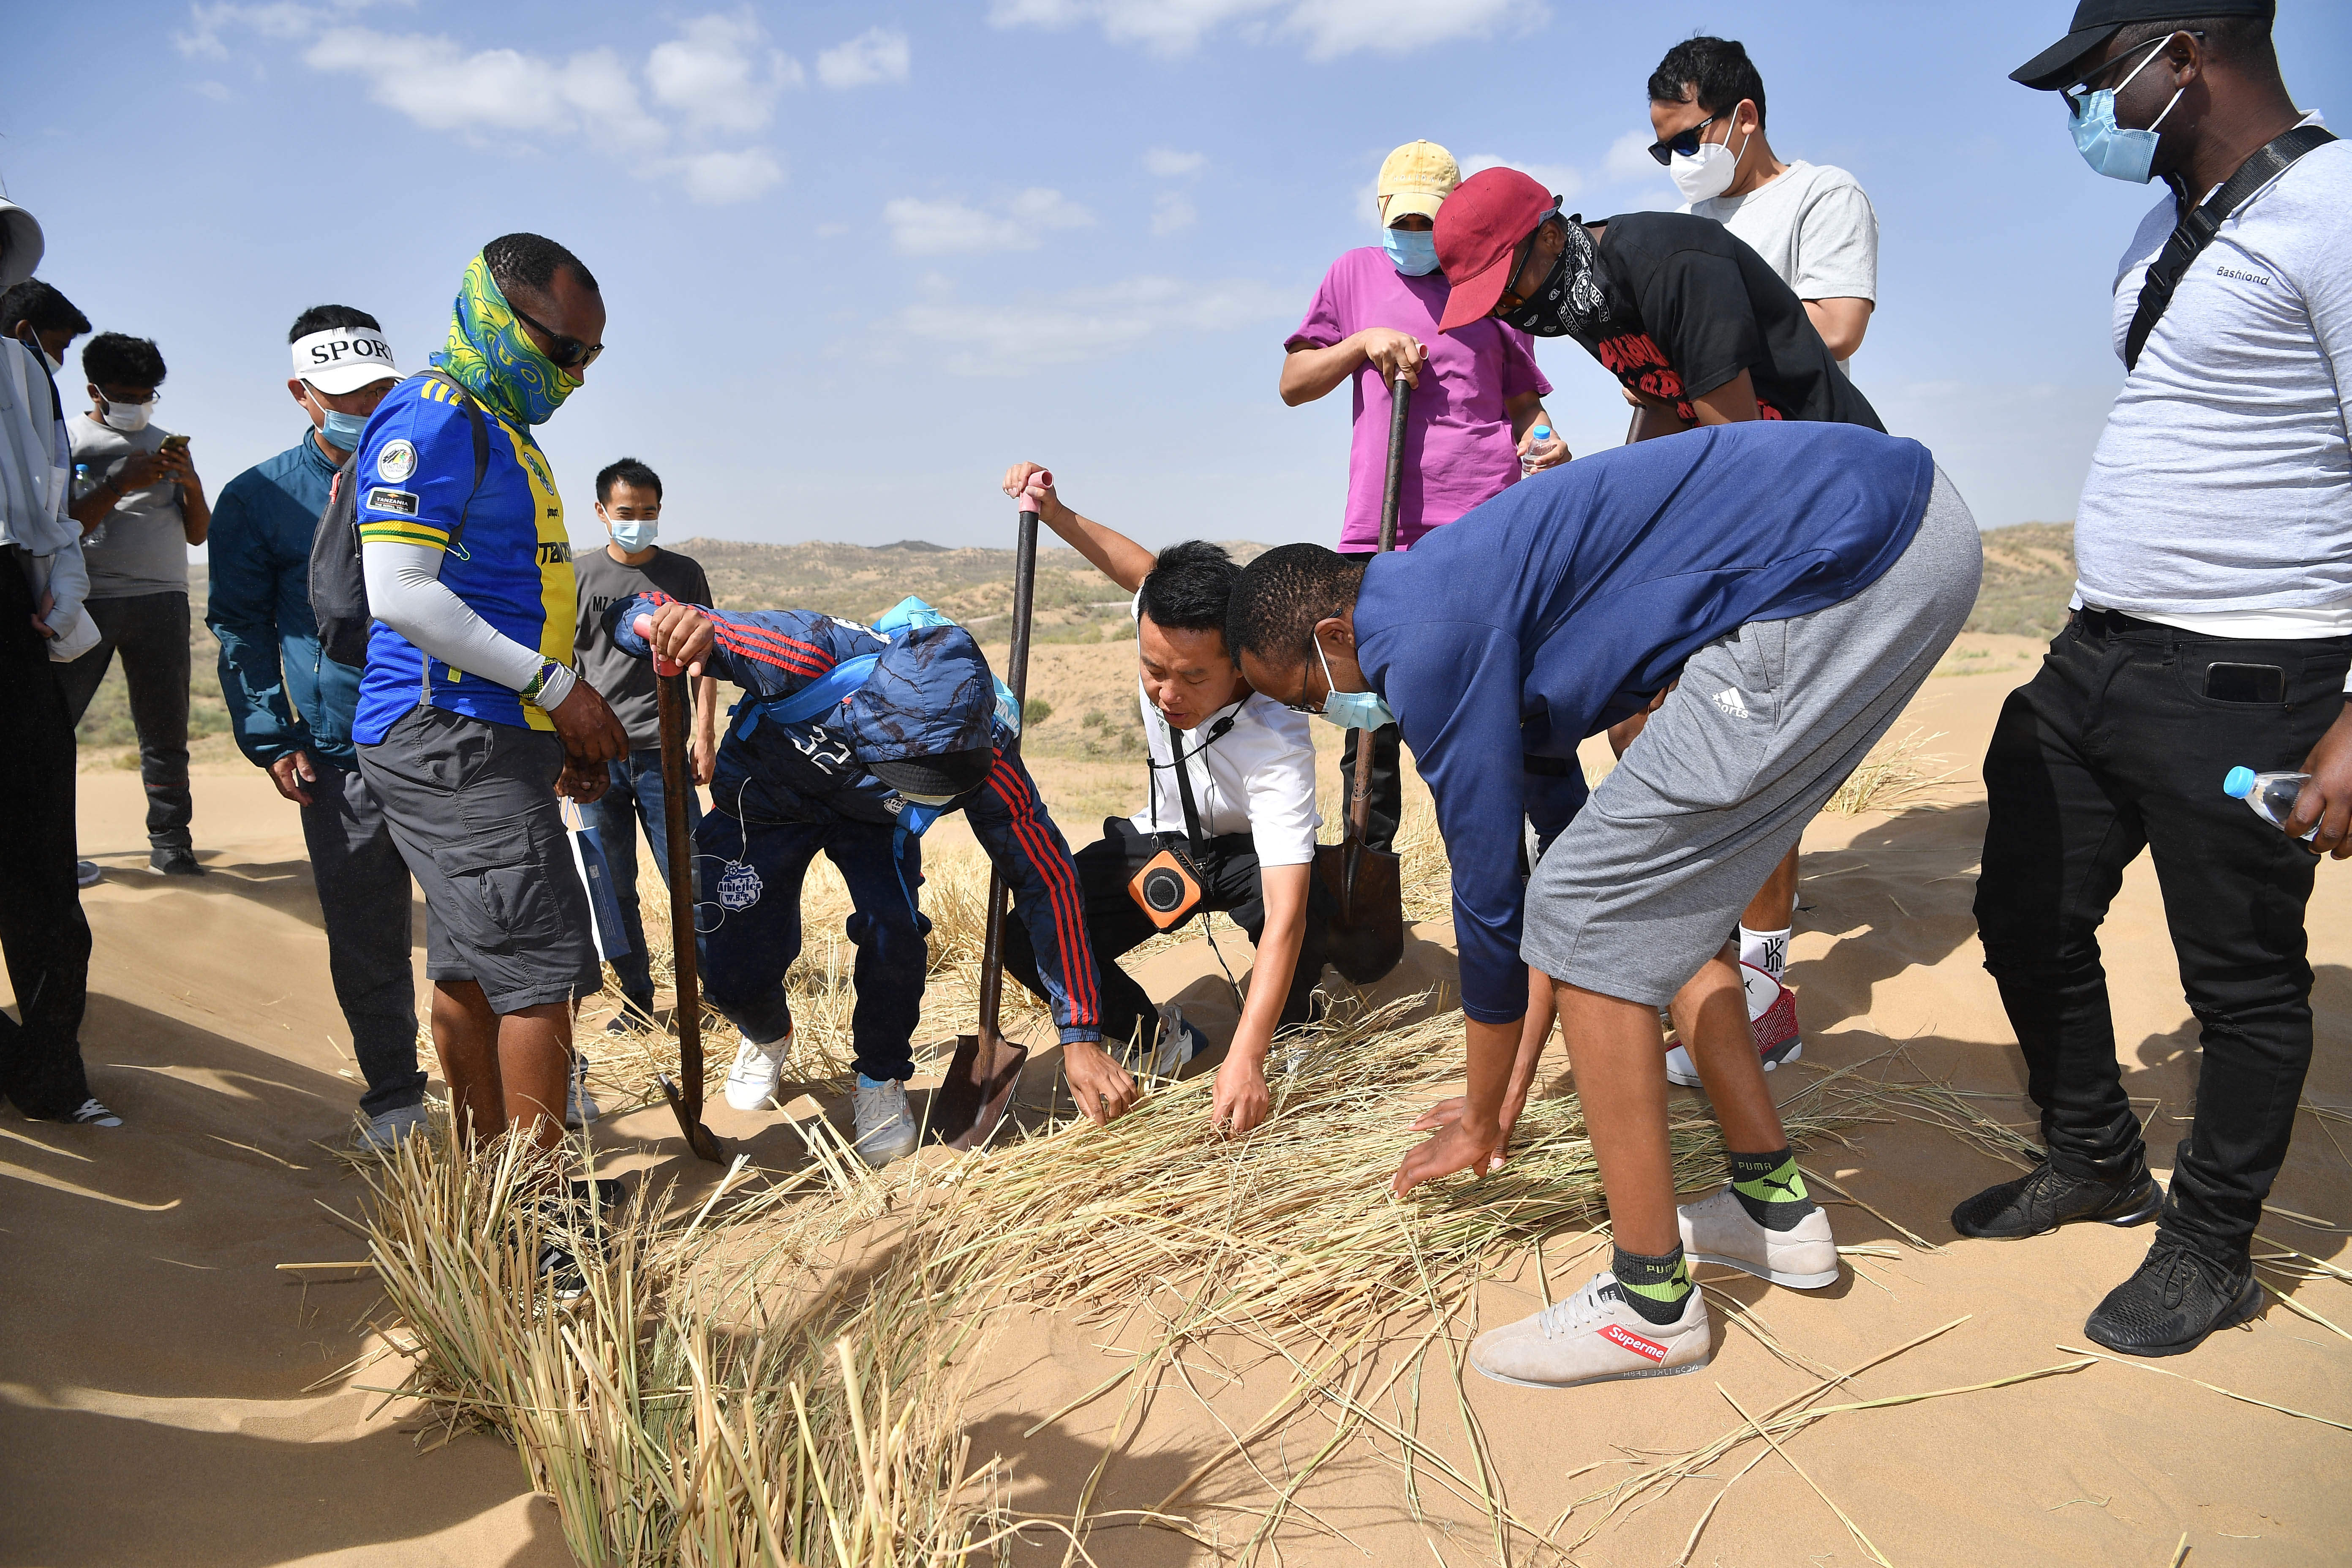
pixel 1771 1024
pixel 886 1128
pixel 1593 1336
pixel 1720 1230
pixel 1175 1043
pixel 91 1114
pixel 384 1133
pixel 751 1081
pixel 580 1107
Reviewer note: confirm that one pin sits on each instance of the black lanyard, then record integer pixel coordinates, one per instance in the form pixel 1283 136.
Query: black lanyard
pixel 1193 834
pixel 2195 230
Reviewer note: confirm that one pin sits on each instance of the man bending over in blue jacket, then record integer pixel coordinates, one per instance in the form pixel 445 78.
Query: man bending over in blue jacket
pixel 853 740
pixel 1800 580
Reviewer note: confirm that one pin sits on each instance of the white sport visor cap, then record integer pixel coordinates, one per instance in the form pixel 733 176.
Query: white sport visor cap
pixel 344 359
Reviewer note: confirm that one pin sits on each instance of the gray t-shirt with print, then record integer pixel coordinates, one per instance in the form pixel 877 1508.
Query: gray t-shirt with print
pixel 144 549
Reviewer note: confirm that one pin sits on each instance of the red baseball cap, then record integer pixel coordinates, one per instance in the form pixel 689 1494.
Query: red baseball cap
pixel 1477 228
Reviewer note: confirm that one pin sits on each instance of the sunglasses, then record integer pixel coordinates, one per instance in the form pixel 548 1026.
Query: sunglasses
pixel 568 354
pixel 1684 141
pixel 2075 104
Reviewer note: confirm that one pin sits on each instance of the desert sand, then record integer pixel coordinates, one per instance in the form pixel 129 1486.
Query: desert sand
pixel 169 1396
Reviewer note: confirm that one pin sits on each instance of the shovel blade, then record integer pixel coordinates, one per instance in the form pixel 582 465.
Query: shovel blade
pixel 972 1099
pixel 1366 929
pixel 699 1138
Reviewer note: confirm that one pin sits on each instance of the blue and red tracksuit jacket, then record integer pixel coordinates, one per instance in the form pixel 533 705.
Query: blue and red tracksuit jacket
pixel 931 693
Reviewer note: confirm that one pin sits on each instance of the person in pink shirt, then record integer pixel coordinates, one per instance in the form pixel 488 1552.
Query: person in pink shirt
pixel 1476 396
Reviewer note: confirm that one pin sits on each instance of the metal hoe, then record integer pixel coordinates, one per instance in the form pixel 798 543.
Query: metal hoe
pixel 972 1099
pixel 677 781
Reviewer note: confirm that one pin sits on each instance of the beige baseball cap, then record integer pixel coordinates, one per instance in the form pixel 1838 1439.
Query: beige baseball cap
pixel 1416 178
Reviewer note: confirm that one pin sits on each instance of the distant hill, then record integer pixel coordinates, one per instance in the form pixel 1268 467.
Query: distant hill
pixel 2029 576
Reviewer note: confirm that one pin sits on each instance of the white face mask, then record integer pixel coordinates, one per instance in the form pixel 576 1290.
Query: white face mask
pixel 1708 171
pixel 126 417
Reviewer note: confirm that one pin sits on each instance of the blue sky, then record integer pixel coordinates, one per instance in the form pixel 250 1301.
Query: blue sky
pixel 858 257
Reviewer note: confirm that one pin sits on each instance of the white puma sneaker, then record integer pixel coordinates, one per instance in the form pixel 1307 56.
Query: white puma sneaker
pixel 886 1128
pixel 1593 1336
pixel 1720 1230
pixel 580 1107
pixel 751 1081
pixel 1771 1022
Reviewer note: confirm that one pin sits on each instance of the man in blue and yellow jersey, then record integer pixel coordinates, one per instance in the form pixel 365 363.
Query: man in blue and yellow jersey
pixel 469 719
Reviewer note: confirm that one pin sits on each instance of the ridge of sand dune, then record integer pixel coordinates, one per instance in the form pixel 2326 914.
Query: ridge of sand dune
pixel 167 1396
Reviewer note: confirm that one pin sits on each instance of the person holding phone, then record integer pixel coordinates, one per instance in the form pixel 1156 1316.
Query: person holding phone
pixel 140 505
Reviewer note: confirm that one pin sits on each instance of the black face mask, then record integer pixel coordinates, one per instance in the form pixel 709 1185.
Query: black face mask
pixel 1572 300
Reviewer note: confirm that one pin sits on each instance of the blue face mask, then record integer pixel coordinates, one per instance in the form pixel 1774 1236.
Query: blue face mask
pixel 1352 709
pixel 2118 152
pixel 1412 251
pixel 343 430
pixel 634 536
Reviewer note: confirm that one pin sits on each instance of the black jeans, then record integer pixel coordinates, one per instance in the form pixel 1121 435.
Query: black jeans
pixel 41 926
pixel 2114 747
pixel 1116 923
pixel 365 900
pixel 151 632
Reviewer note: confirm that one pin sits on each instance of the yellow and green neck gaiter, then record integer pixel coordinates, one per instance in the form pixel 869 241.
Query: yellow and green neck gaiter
pixel 491 356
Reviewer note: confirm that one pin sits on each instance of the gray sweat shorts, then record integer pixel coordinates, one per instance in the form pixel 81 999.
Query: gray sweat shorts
pixel 472 806
pixel 1648 882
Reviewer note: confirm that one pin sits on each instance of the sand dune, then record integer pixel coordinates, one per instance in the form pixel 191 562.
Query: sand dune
pixel 168 1395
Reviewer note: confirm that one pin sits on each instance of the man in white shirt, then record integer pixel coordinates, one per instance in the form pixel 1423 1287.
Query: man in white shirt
pixel 1810 222
pixel 1231 795
pixel 2213 630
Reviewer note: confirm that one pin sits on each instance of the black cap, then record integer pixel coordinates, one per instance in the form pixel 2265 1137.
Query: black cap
pixel 946 774
pixel 2096 22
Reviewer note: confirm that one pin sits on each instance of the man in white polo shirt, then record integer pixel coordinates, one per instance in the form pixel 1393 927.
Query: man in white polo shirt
pixel 2213 630
pixel 1232 797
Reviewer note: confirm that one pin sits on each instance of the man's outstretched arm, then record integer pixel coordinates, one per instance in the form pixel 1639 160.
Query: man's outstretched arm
pixel 1114 554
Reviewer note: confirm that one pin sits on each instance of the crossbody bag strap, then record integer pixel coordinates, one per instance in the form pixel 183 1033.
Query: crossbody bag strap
pixel 1194 837
pixel 2195 230
pixel 827 691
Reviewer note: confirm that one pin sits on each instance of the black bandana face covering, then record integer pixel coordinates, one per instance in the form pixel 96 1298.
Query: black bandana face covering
pixel 1572 301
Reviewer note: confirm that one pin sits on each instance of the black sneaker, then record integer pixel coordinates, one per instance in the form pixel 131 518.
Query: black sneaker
pixel 174 863
pixel 2046 1198
pixel 2179 1297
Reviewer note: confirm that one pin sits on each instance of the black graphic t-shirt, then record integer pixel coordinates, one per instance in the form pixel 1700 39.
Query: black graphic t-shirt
pixel 1695 307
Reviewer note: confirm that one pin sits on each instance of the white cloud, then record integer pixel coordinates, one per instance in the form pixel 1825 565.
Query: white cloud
pixel 216 90
pixel 715 78
pixel 1329 27
pixel 1629 158
pixel 875 56
pixel 954 227
pixel 1560 179
pixel 1169 165
pixel 1170 212
pixel 719 76
pixel 1015 339
pixel 715 179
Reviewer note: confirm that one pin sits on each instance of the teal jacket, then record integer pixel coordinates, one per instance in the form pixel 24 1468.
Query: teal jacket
pixel 283 692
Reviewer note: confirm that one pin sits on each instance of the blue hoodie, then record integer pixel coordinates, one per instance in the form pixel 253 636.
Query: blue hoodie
pixel 931 693
pixel 284 693
pixel 1566 602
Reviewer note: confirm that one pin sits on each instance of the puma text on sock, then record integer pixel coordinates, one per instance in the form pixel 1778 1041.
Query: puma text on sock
pixel 1770 1188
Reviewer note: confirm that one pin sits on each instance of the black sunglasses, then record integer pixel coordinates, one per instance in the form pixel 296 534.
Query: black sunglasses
pixel 1683 142
pixel 569 354
pixel 2074 105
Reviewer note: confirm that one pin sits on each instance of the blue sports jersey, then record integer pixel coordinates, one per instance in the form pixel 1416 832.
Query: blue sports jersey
pixel 512 565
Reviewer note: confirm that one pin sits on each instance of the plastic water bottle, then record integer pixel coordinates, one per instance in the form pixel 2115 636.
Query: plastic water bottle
pixel 1540 433
pixel 2272 796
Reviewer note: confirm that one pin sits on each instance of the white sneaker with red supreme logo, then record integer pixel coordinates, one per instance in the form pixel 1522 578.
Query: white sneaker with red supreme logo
pixel 1772 1023
pixel 1593 1336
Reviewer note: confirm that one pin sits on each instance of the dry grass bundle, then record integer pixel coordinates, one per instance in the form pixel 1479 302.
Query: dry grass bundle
pixel 1893 776
pixel 676 1411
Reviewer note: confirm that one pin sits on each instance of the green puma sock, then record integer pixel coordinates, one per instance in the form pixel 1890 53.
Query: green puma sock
pixel 1653 1287
pixel 1770 1188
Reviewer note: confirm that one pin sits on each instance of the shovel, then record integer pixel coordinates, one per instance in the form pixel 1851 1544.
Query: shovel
pixel 1366 927
pixel 677 781
pixel 971 1100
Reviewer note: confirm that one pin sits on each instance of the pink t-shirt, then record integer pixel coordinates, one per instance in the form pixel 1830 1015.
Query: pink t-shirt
pixel 1458 448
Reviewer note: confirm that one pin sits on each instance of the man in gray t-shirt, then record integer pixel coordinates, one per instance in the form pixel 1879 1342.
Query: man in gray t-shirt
pixel 140 505
pixel 628 503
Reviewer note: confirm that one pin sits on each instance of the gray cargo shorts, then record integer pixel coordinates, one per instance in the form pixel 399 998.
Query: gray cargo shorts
pixel 1647 883
pixel 472 806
